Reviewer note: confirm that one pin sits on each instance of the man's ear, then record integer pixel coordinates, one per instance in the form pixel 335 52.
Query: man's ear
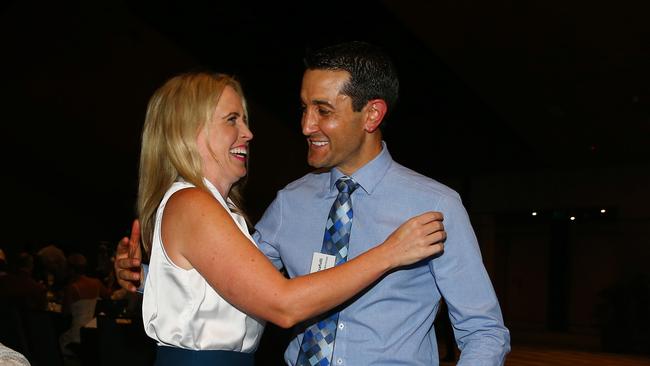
pixel 375 111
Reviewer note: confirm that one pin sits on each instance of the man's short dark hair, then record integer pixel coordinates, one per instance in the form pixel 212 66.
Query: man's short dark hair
pixel 372 74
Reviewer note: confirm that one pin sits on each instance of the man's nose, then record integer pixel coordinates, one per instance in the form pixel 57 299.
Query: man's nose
pixel 309 123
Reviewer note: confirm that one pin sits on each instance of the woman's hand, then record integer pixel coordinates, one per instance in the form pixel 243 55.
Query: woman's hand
pixel 420 237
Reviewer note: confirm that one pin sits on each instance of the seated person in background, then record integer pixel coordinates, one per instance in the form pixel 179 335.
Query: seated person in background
pixel 79 299
pixel 18 286
pixel 104 268
pixel 53 263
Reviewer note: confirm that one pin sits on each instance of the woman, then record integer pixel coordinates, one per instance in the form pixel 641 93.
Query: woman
pixel 208 285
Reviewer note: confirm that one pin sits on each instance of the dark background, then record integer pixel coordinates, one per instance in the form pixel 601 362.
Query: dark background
pixel 536 106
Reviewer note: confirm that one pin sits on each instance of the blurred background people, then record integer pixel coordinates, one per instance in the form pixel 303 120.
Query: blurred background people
pixel 19 288
pixel 52 271
pixel 79 300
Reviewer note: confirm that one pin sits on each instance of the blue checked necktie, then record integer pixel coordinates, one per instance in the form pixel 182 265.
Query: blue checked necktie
pixel 318 340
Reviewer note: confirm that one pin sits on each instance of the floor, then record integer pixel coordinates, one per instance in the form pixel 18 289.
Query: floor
pixel 530 356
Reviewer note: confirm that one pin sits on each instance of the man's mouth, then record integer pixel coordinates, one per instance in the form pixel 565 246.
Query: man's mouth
pixel 317 143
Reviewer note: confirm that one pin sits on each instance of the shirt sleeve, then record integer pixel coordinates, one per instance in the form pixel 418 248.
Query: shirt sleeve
pixel 145 274
pixel 266 232
pixel 466 287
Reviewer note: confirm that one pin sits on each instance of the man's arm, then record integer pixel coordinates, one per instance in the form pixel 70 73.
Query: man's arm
pixel 464 283
pixel 266 231
pixel 128 260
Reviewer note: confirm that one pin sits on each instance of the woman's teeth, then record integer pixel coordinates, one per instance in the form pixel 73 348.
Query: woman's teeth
pixel 239 151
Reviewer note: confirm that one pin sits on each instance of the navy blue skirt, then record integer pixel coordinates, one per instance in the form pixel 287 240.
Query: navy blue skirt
pixel 172 356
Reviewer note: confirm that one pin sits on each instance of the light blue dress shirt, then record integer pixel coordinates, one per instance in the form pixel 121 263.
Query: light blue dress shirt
pixel 391 322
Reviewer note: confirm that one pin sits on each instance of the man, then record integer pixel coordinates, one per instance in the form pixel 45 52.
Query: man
pixel 346 93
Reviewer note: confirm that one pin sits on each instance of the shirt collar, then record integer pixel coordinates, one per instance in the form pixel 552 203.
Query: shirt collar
pixel 215 192
pixel 369 175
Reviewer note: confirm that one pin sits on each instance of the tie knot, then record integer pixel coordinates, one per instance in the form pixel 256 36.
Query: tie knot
pixel 346 185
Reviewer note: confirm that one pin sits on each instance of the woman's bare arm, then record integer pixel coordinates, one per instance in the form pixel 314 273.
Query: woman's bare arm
pixel 199 233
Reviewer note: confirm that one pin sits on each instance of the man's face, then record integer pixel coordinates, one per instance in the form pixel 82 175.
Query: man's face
pixel 335 133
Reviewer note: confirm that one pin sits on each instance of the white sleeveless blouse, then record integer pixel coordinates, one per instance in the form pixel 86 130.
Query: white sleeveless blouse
pixel 181 309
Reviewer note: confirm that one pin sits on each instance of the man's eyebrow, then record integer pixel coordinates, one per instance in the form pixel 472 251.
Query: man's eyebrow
pixel 322 102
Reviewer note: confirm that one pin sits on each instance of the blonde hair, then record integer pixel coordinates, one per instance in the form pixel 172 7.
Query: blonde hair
pixel 176 113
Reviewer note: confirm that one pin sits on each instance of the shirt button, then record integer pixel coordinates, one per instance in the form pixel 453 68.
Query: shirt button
pixel 339 361
pixel 341 326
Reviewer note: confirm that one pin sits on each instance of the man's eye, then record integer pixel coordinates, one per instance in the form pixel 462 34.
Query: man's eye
pixel 323 112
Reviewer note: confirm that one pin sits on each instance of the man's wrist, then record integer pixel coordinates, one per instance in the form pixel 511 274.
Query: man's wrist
pixel 143 277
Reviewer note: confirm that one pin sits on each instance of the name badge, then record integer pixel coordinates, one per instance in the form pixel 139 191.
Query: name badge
pixel 322 261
